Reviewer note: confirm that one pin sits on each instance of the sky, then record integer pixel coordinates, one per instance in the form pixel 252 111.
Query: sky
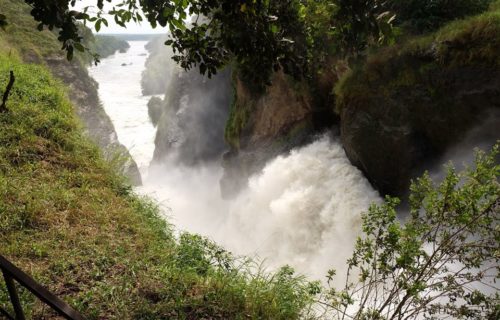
pixel 132 28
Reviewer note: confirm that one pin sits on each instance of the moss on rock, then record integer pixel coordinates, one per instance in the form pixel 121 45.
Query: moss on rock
pixel 408 103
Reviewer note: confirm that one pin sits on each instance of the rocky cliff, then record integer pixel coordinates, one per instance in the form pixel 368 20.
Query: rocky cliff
pixel 263 125
pixel 191 118
pixel 408 104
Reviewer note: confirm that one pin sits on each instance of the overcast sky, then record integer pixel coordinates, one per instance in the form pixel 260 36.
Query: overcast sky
pixel 133 28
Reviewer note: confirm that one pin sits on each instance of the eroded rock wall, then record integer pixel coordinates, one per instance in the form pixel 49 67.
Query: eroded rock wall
pixel 97 124
pixel 409 104
pixel 264 125
pixel 193 115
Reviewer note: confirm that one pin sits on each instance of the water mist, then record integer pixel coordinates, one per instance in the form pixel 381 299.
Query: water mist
pixel 303 209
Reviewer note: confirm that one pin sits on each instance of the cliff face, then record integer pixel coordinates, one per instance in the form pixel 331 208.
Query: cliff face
pixel 193 115
pixel 264 125
pixel 407 105
pixel 98 126
pixel 257 119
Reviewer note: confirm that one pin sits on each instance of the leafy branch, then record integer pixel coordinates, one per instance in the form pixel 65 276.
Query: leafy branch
pixel 441 262
pixel 3 106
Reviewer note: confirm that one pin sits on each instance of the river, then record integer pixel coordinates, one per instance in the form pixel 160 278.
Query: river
pixel 119 78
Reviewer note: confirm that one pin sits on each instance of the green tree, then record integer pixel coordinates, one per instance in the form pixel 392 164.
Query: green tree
pixel 419 16
pixel 443 261
pixel 257 34
pixel 359 24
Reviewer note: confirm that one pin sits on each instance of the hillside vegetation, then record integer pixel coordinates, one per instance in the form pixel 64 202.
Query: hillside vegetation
pixel 42 47
pixel 68 220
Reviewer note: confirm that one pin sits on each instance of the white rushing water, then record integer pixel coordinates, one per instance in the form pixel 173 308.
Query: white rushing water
pixel 119 78
pixel 303 209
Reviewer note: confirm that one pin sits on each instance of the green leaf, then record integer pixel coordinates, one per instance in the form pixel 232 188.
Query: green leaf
pixel 69 53
pixel 179 24
pixel 168 12
pixel 79 46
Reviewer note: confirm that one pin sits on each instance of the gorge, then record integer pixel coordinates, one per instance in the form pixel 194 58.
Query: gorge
pixel 299 202
pixel 301 209
pixel 246 165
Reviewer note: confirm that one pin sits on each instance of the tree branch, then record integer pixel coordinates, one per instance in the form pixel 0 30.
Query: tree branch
pixel 3 107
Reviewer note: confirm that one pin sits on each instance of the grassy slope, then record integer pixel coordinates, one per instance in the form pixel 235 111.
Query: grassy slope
pixel 472 41
pixel 34 45
pixel 21 38
pixel 68 220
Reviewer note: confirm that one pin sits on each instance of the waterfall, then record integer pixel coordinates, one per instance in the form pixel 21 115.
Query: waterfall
pixel 302 209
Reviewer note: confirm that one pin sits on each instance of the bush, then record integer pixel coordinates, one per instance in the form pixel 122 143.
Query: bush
pixel 419 16
pixel 440 263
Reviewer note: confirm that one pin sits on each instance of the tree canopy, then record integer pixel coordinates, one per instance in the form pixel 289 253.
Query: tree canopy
pixel 204 33
pixel 259 35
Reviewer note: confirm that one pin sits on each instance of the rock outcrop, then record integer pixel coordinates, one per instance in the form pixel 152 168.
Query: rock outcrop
pixel 408 104
pixel 193 116
pixel 264 125
pixel 97 124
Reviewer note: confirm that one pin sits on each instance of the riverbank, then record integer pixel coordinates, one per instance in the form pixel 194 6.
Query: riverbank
pixel 119 90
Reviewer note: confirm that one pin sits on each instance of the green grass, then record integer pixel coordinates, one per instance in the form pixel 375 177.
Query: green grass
pixel 71 222
pixel 21 35
pixel 474 41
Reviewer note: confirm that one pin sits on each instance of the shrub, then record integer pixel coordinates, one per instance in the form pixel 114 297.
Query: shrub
pixel 421 16
pixel 440 263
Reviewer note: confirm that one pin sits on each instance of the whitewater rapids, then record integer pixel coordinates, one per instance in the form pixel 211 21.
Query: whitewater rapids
pixel 303 209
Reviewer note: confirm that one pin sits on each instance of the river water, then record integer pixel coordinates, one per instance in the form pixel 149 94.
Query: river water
pixel 119 78
pixel 303 209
